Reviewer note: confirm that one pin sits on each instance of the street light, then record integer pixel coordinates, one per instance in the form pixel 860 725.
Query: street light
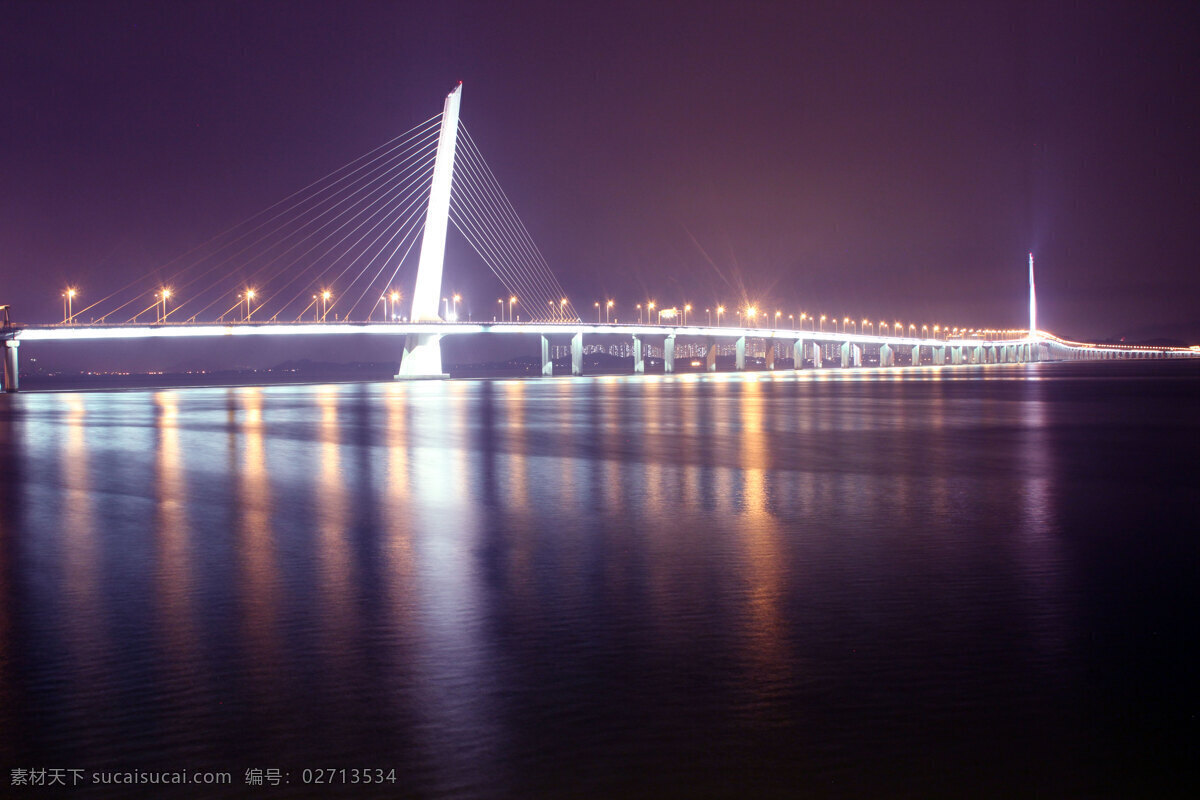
pixel 639 308
pixel 68 309
pixel 500 302
pixel 166 295
pixel 597 305
pixel 511 301
pixel 454 316
pixel 607 310
pixel 562 310
pixel 249 298
pixel 720 311
pixel 686 308
pixel 394 296
pixel 751 313
pixel 822 323
pixel 778 314
pixel 649 312
pixel 325 295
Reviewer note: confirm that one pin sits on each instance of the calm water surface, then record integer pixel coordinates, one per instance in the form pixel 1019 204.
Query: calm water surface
pixel 908 583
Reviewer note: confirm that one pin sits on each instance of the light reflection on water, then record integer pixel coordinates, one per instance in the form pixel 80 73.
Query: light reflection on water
pixel 656 585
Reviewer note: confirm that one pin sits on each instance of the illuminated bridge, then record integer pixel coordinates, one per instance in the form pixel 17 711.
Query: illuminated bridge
pixel 356 227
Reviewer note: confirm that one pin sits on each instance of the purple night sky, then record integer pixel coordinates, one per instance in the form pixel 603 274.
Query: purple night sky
pixel 889 160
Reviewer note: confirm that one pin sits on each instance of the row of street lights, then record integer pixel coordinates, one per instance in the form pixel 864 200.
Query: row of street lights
pixel 750 314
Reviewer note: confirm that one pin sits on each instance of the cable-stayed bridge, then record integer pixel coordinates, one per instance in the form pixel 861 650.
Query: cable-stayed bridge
pixel 330 258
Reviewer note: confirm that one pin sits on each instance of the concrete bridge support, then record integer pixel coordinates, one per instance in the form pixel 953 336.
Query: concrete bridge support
pixel 547 364
pixel 977 355
pixel 769 353
pixel 741 353
pixel 798 354
pixel 887 356
pixel 916 355
pixel 817 353
pixel 851 354
pixel 939 356
pixel 577 354
pixel 12 368
pixel 639 360
pixel 669 354
pixel 422 357
pixel 710 357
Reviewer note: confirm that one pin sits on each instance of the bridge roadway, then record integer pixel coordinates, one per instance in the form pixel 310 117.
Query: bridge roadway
pixel 805 346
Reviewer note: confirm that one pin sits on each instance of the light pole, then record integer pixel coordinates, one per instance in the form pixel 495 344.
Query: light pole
pixel 68 307
pixel 457 299
pixel 607 310
pixel 650 313
pixel 778 314
pixel 720 311
pixel 639 308
pixel 597 305
pixel 249 299
pixel 686 308
pixel 511 302
pixel 822 323
pixel 166 295
pixel 708 316
pixel 500 302
pixel 562 310
pixel 325 295
pixel 751 313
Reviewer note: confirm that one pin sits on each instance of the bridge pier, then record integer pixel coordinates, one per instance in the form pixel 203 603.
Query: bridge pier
pixel 817 353
pixel 547 364
pixel 851 355
pixel 939 356
pixel 956 355
pixel 769 353
pixel 668 354
pixel 798 354
pixel 639 360
pixel 577 354
pixel 422 358
pixel 12 367
pixel 740 346
pixel 710 356
pixel 916 355
pixel 887 356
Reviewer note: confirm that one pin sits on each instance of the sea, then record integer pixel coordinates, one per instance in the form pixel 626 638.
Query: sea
pixel 973 581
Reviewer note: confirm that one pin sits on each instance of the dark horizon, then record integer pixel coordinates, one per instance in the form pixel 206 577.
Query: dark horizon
pixel 872 160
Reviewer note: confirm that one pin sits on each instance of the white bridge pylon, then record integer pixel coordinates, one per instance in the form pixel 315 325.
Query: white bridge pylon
pixel 423 351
